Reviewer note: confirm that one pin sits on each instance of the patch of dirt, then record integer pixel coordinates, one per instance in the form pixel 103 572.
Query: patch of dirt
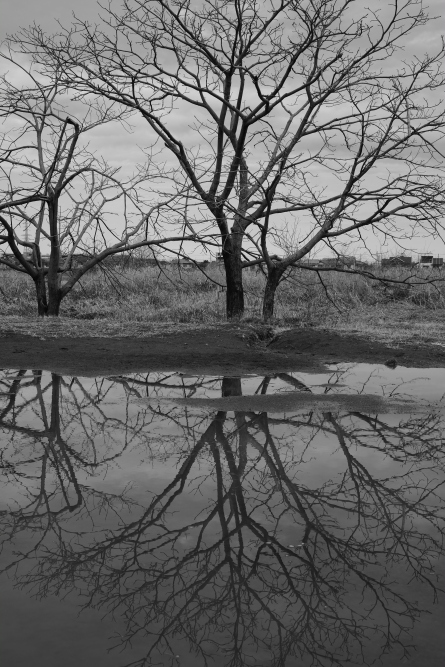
pixel 211 351
pixel 226 350
pixel 329 346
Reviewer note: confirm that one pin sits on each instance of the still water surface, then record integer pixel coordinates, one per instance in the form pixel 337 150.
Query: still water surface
pixel 189 534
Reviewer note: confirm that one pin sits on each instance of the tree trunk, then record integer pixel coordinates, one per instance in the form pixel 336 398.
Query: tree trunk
pixel 234 279
pixel 54 303
pixel 47 304
pixel 54 291
pixel 231 386
pixel 42 303
pixel 55 408
pixel 273 279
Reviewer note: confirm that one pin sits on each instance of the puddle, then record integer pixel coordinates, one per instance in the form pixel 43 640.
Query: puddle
pixel 296 519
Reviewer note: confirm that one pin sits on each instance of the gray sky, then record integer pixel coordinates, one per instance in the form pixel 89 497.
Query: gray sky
pixel 20 13
pixel 17 13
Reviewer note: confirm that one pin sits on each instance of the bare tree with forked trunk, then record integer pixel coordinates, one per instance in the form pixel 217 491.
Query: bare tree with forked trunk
pixel 63 209
pixel 295 111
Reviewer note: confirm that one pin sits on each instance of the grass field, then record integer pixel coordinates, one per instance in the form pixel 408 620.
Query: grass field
pixel 130 297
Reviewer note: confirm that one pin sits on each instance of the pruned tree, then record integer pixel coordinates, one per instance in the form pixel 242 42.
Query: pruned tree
pixel 63 209
pixel 300 111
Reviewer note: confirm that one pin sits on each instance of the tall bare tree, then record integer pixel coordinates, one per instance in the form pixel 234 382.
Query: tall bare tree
pixel 299 110
pixel 58 197
pixel 388 166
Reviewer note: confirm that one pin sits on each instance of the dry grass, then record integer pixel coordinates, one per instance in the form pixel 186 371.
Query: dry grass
pixel 142 302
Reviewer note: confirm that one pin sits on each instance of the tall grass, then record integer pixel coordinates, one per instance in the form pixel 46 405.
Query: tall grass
pixel 190 296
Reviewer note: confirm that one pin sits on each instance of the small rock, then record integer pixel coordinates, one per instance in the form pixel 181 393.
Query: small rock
pixel 391 363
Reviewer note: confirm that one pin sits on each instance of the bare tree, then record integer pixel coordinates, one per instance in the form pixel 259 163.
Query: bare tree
pixel 59 198
pixel 300 111
pixel 389 171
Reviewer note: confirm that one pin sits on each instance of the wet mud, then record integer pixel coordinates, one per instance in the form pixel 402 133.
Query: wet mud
pixel 227 351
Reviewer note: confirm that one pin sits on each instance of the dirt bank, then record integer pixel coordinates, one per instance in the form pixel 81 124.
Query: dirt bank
pixel 227 350
pixel 329 346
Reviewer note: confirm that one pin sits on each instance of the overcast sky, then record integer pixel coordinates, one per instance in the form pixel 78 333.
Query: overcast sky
pixel 17 13
pixel 20 13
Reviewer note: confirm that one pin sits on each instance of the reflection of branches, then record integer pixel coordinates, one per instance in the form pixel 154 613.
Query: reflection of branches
pixel 71 408
pixel 275 555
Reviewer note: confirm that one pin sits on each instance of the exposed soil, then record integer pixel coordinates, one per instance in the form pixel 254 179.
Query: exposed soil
pixel 327 346
pixel 227 351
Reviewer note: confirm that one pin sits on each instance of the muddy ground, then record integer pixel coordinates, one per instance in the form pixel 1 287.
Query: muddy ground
pixel 226 351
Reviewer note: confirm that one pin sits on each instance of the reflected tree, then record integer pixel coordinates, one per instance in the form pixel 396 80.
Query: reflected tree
pixel 254 549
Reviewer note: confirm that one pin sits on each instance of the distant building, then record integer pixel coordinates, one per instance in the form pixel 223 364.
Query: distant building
pixel 184 263
pixel 312 263
pixel 362 265
pixel 347 261
pixel 329 262
pixel 339 262
pixel 399 260
pixel 429 261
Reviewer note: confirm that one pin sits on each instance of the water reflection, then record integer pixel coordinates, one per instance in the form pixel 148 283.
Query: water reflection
pixel 246 537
